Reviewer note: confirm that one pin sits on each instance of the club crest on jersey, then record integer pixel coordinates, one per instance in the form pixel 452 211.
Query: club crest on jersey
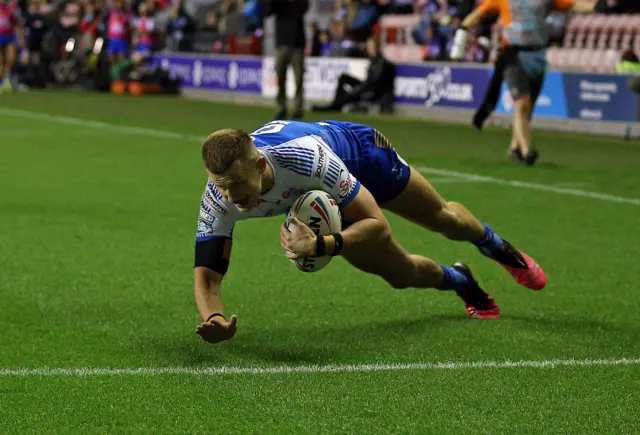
pixel 345 187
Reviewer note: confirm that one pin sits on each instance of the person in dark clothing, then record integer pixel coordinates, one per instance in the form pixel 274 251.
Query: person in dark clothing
pixel 378 87
pixel 34 23
pixel 290 43
pixel 316 43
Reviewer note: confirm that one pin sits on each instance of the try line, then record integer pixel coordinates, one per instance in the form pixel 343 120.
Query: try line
pixel 427 170
pixel 331 368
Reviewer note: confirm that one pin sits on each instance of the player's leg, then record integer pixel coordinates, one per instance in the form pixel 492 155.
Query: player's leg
pixel 420 203
pixel 525 86
pixel 297 63
pixel 282 63
pixel 346 83
pixel 10 54
pixel 2 58
pixel 404 191
pixel 400 269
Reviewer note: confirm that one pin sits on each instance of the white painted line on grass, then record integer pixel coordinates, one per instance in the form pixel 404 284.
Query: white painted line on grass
pixel 98 124
pixel 47 133
pixel 449 180
pixel 331 368
pixel 527 185
pixel 425 169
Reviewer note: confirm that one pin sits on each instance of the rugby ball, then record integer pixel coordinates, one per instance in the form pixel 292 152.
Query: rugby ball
pixel 320 212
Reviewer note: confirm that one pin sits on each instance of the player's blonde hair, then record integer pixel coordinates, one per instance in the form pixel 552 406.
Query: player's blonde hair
pixel 224 147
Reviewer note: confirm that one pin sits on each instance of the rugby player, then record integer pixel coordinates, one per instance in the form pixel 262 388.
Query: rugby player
pixel 524 42
pixel 261 174
pixel 11 32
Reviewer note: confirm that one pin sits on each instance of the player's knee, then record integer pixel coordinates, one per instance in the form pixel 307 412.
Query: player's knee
pixel 523 105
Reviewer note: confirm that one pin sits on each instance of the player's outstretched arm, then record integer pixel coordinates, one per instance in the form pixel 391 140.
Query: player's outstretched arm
pixel 212 260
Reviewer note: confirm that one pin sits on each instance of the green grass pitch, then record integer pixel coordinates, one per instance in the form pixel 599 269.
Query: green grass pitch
pixel 97 225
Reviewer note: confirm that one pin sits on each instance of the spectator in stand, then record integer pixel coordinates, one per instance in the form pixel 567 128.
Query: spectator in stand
pixel 397 7
pixel 612 7
pixel 325 43
pixel 119 20
pixel 11 33
pixel 145 32
pixel 429 9
pixel 180 27
pixel 366 15
pixel 290 43
pixel 630 65
pixel 436 43
pixel 252 12
pixel 92 24
pixel 315 47
pixel 34 23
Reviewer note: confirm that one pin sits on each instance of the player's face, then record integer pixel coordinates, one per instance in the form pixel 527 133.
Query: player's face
pixel 241 183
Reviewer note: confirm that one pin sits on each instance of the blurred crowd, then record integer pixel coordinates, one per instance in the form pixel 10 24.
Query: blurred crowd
pixel 438 20
pixel 129 29
pixel 46 32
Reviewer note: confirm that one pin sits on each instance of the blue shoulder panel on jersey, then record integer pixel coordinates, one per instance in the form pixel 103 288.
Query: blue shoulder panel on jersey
pixel 296 159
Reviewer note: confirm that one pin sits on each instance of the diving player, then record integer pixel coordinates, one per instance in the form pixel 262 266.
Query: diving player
pixel 261 174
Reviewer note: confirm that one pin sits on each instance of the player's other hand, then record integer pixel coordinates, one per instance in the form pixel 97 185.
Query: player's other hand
pixel 218 329
pixel 300 241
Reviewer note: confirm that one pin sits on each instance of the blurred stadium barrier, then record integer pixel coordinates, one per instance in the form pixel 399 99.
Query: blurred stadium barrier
pixel 588 102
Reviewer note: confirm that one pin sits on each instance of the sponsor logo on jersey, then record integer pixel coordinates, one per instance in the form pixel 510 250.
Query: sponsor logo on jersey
pixel 321 162
pixel 204 228
pixel 214 203
pixel 206 216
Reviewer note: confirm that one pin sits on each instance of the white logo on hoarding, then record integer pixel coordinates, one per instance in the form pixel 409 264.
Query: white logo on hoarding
pixel 233 74
pixel 434 87
pixel 196 74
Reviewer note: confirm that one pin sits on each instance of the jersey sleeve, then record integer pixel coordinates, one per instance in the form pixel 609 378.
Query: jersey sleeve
pixel 216 219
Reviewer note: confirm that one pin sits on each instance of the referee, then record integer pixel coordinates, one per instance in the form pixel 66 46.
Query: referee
pixel 521 63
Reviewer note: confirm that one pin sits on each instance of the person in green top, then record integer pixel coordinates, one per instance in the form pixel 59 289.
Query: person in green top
pixel 630 65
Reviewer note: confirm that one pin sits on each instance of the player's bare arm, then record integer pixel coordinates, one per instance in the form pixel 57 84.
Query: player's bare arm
pixel 212 260
pixel 370 226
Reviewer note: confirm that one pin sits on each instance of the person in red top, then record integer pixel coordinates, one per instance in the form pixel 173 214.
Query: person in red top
pixel 522 62
pixel 145 31
pixel 118 31
pixel 10 30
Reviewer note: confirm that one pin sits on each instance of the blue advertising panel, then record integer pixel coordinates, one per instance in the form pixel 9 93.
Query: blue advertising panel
pixel 221 74
pixel 551 103
pixel 441 86
pixel 594 97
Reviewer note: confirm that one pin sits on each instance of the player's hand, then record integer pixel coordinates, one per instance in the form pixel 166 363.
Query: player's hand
pixel 218 329
pixel 299 243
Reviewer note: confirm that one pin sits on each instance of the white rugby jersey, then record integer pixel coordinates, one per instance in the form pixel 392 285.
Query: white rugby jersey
pixel 299 165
